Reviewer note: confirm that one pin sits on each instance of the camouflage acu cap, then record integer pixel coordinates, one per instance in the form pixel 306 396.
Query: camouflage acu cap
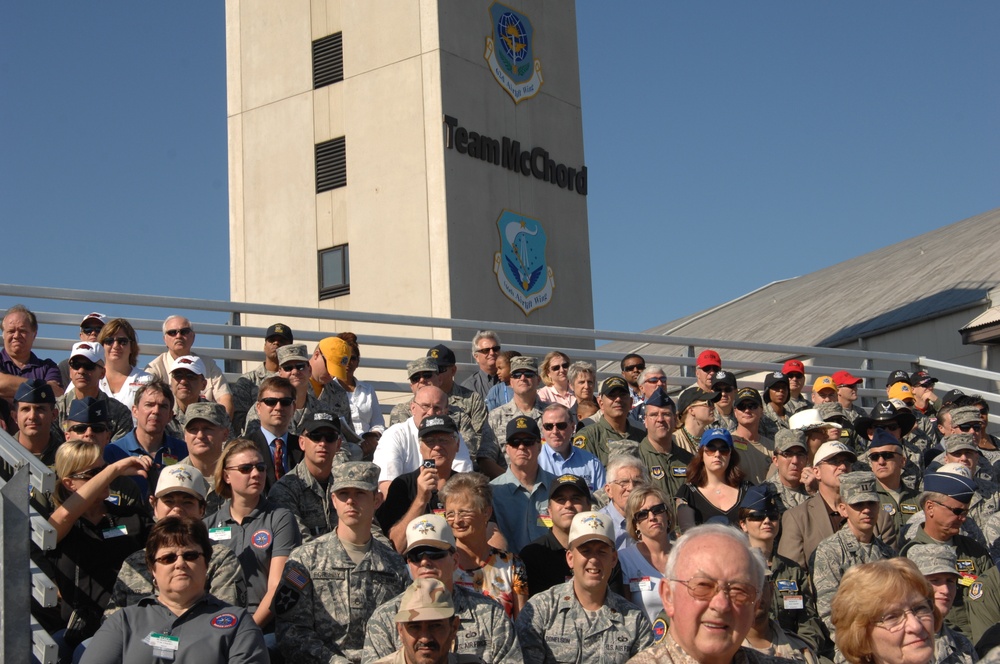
pixel 420 365
pixel 425 599
pixel 184 478
pixel 208 411
pixel 356 475
pixel 429 530
pixel 624 447
pixel 933 558
pixel 589 526
pixel 87 410
pixel 829 411
pixel 965 415
pixel 786 439
pixel 858 487
pixel 34 390
pixel 292 353
pixel 523 363
pixel 959 441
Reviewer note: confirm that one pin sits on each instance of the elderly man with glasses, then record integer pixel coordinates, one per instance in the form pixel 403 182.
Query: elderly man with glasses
pixel 485 351
pixel 179 336
pixel 652 377
pixel 558 456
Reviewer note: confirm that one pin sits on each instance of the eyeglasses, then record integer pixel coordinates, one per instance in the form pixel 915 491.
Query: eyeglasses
pixel 635 367
pixel 559 367
pixel 878 456
pixel 451 515
pixel 549 426
pixel 81 365
pixel 957 511
pixel 788 454
pixel 642 515
pixel 838 461
pixel 747 405
pixel 96 427
pixel 717 449
pixel 184 331
pixel 298 366
pixel 711 369
pixel 420 555
pixel 521 442
pixel 656 379
pixel 91 330
pixel 522 373
pixel 247 468
pixel 488 350
pixel 271 402
pixel 773 515
pixel 171 558
pixel 627 484
pixel 704 589
pixel 423 375
pixel 893 621
pixel 432 407
pixel 971 426
pixel 87 474
pixel 121 341
pixel 326 438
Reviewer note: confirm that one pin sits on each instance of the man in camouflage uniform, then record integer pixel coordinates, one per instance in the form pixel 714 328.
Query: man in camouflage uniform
pixel 667 464
pixel 581 620
pixel 525 402
pixel 790 458
pixel 937 563
pixel 755 449
pixel 484 630
pixel 775 395
pixel 853 544
pixel 616 402
pixel 965 420
pixel 427 617
pixel 421 372
pixel 470 403
pixel 847 394
pixel 900 423
pixel 331 585
pixel 885 457
pixel 767 636
pixel 180 491
pixel 961 448
pixel 245 388
pixel 795 371
pixel 725 385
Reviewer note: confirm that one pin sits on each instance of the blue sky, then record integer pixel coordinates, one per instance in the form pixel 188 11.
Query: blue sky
pixel 740 142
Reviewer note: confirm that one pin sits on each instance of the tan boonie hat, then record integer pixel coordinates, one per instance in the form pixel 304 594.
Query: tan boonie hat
pixel 786 439
pixel 523 363
pixel 589 526
pixel 933 558
pixel 420 365
pixel 208 411
pixel 429 530
pixel 858 487
pixel 425 599
pixel 292 353
pixel 184 478
pixel 356 475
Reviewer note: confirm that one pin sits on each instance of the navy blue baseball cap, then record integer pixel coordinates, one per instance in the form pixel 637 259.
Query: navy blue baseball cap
pixel 716 433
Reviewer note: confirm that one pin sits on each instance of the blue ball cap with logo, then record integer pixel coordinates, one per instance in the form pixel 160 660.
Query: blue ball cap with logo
pixel 716 433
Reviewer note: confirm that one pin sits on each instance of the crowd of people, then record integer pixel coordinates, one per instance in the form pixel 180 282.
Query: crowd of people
pixel 530 513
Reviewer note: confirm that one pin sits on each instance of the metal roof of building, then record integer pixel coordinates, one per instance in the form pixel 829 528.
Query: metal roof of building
pixel 947 269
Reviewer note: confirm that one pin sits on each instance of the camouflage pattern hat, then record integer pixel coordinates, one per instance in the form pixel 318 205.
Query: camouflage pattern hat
pixel 208 411
pixel 959 441
pixel 828 411
pixel 34 390
pixel 523 363
pixel 420 365
pixel 858 487
pixel 624 447
pixel 87 411
pixel 425 599
pixel 933 558
pixel 429 530
pixel 786 439
pixel 356 475
pixel 965 415
pixel 292 353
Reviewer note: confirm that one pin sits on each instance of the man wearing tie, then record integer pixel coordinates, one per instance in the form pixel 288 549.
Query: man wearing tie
pixel 275 408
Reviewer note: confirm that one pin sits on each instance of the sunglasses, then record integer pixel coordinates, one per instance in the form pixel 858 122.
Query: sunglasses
pixel 121 341
pixel 723 390
pixel 184 331
pixel 521 442
pixel 878 456
pixel 642 515
pixel 88 474
pixel 957 511
pixel 635 367
pixel 96 427
pixel 747 405
pixel 423 375
pixel 420 555
pixel 271 402
pixel 788 454
pixel 298 366
pixel 171 558
pixel 91 330
pixel 247 468
pixel 323 437
pixel 522 373
pixel 773 515
pixel 559 367
pixel 796 375
pixel 657 379
pixel 711 369
pixel 971 426
pixel 888 426
pixel 180 375
pixel 488 350
pixel 549 426
pixel 717 449
pixel 81 365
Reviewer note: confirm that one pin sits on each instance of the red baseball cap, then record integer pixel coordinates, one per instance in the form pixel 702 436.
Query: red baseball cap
pixel 709 358
pixel 845 378
pixel 792 366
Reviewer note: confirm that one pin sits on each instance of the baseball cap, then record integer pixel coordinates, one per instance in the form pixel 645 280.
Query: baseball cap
pixel 959 441
pixel 933 558
pixel 292 353
pixel 208 411
pixel 523 425
pixel 831 449
pixel 809 419
pixel 523 363
pixel 443 355
pixel 437 424
pixel 100 318
pixel 190 363
pixel 337 354
pixel 842 378
pixel 897 376
pixel 280 330
pixel 922 378
pixel 951 396
pixel 34 390
pixel 611 384
pixel 858 487
pixel 590 526
pixel 425 599
pixel 87 410
pixel 901 391
pixel 953 480
pixel 692 395
pixel 321 420
pixel 965 415
pixel 830 411
pixel 726 378
pixel 716 433
pixel 709 358
pixel 792 366
pixel 824 383
pixel 786 439
pixel 429 530
pixel 772 379
pixel 91 351
pixel 356 475
pixel 574 481
pixel 184 478
pixel 748 394
pixel 420 365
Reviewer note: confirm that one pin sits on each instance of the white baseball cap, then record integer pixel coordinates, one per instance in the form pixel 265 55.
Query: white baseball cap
pixel 93 351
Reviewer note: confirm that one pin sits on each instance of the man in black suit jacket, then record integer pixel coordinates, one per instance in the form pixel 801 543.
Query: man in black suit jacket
pixel 275 408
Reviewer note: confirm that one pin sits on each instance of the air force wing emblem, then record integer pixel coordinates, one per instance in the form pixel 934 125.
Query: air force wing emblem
pixel 510 53
pixel 522 273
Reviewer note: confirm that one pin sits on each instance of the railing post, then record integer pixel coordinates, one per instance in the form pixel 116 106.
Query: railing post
pixel 15 595
pixel 233 342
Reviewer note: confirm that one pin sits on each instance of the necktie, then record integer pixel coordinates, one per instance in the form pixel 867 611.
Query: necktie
pixel 279 458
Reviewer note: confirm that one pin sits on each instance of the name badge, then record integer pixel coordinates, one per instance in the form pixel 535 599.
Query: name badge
pixel 740 446
pixel 220 534
pixel 908 509
pixel 679 471
pixel 641 583
pixel 966 566
pixel 793 602
pixel 164 646
pixel 111 533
